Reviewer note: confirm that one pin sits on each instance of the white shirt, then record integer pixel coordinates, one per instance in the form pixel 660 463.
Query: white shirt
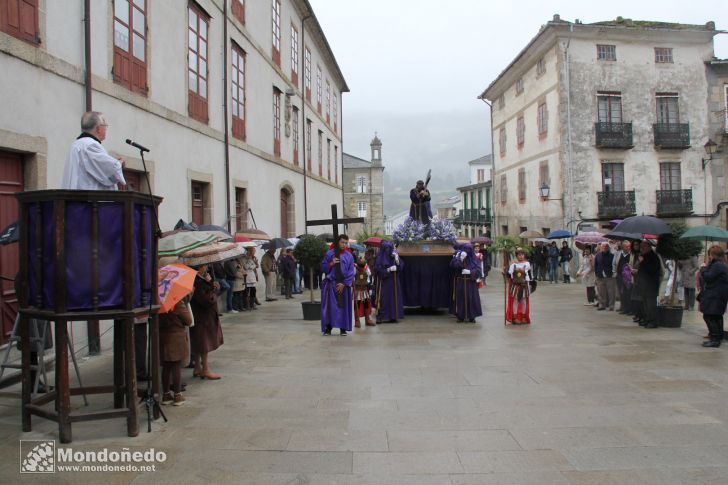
pixel 524 266
pixel 90 167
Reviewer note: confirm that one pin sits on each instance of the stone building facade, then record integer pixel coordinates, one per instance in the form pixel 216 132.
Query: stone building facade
pixel 364 190
pixel 476 216
pixel 594 122
pixel 240 103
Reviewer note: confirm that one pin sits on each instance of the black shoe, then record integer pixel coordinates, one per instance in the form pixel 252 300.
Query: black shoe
pixel 601 309
pixel 636 319
pixel 327 333
pixel 343 333
pixel 712 343
pixel 641 323
pixel 651 325
pixel 472 320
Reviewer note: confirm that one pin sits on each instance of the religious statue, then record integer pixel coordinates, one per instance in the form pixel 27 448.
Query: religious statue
pixel 420 208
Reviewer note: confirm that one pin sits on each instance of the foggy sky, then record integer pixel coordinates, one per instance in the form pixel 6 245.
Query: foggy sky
pixel 415 68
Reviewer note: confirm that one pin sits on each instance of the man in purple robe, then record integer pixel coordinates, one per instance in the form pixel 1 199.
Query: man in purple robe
pixel 387 266
pixel 420 209
pixel 336 297
pixel 465 294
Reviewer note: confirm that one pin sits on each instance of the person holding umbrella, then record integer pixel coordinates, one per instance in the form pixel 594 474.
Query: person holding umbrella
pixel 713 295
pixel 269 266
pixel 206 335
pixel 648 282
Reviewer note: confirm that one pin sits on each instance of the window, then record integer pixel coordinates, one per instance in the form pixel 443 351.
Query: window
pixel 609 107
pixel 308 145
pixel 670 176
pixel 521 185
pixel 294 55
pixel 328 158
pixel 504 230
pixel 276 121
pixel 663 55
pixel 503 189
pixel 237 87
pixel 667 109
pixel 241 209
pixel 130 40
pixel 543 174
pixel 321 153
pixel 362 209
pixel 613 177
pixel 296 138
pixel 319 88
pixel 307 73
pixel 520 131
pixel 336 164
pixel 335 110
pixel 606 52
pixel 276 28
pixel 501 101
pixel 19 18
pixel 543 120
pixel 197 64
pixel 519 86
pixel 502 141
pixel 545 231
pixel 361 185
pixel 481 175
pixel 238 10
pixel 200 192
pixel 328 101
pixel 541 67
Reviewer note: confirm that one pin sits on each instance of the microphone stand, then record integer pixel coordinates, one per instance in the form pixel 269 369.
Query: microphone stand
pixel 149 398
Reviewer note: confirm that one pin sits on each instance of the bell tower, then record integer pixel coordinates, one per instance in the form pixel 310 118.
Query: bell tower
pixel 376 146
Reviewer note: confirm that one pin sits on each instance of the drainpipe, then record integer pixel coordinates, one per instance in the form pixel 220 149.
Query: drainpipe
pixel 304 124
pixel 225 112
pixel 87 51
pixel 570 169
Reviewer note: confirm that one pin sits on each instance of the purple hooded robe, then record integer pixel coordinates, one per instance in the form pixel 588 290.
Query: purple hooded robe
pixel 389 298
pixel 337 310
pixel 465 291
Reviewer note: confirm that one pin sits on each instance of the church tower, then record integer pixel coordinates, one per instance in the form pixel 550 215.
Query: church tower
pixel 376 146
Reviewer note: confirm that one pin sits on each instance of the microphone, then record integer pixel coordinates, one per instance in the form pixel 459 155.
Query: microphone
pixel 137 145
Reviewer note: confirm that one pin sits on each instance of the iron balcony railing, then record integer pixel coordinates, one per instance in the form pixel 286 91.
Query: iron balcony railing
pixel 613 135
pixel 674 202
pixel 473 216
pixel 672 135
pixel 616 204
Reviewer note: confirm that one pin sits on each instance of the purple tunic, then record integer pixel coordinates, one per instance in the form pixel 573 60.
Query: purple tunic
pixel 389 298
pixel 337 311
pixel 466 297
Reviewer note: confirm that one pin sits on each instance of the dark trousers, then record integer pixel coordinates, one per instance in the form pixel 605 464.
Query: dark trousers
pixel 649 309
pixel 172 377
pixel 625 297
pixel 591 294
pixel 715 326
pixel 287 286
pixel 690 298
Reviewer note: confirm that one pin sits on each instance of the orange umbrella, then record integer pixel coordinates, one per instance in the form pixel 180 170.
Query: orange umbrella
pixel 175 282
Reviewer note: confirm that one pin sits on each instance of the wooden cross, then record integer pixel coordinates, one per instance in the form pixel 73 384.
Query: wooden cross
pixel 334 221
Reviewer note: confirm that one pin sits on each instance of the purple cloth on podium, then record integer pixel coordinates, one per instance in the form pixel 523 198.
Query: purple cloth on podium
pixel 332 314
pixel 78 263
pixel 390 303
pixel 427 281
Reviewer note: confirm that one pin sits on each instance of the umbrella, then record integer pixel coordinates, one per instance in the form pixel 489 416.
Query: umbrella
pixel 277 243
pixel 213 227
pixel 590 238
pixel 175 282
pixel 357 247
pixel 373 241
pixel 254 234
pixel 530 234
pixel 624 236
pixel 240 238
pixel 178 242
pixel 326 236
pixel 643 225
pixel 219 235
pixel 614 222
pixel 711 233
pixel 485 240
pixel 211 253
pixel 560 234
pixel 10 234
pixel 247 244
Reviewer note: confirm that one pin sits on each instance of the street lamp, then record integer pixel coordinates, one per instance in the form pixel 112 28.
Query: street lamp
pixel 710 148
pixel 544 191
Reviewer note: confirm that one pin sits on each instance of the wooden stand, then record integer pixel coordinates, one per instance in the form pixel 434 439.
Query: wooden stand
pixel 43 216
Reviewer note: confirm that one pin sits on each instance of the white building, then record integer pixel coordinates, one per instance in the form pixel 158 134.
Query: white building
pixel 592 122
pixel 222 92
pixel 476 215
pixel 393 222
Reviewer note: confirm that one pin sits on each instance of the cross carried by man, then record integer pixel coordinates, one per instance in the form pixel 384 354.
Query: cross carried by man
pixel 334 221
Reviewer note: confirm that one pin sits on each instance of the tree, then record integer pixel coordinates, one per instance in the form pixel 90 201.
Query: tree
pixel 671 246
pixel 310 251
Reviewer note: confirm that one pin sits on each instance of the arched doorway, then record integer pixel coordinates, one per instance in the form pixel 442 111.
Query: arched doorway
pixel 286 215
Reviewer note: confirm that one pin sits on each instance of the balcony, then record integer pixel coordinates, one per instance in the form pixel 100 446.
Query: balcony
pixel 672 135
pixel 473 216
pixel 613 135
pixel 671 203
pixel 616 204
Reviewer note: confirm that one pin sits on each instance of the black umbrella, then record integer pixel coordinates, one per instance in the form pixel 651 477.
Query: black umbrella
pixel 623 236
pixel 277 243
pixel 643 225
pixel 10 234
pixel 213 227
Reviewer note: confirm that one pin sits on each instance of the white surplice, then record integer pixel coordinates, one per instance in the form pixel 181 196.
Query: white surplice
pixel 90 167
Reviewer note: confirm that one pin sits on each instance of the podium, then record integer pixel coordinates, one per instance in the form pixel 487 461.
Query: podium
pixel 88 255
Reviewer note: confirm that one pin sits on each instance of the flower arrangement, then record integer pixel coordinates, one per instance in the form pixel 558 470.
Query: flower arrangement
pixel 442 230
pixel 409 231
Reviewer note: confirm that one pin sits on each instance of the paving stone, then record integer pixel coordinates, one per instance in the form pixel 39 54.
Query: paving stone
pixel 508 461
pixel 394 463
pixel 485 440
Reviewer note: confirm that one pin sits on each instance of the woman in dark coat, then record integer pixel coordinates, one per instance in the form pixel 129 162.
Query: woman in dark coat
pixel 206 335
pixel 648 282
pixel 465 293
pixel 174 349
pixel 714 295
